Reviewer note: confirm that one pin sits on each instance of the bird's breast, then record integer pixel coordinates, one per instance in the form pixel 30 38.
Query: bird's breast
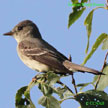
pixel 33 64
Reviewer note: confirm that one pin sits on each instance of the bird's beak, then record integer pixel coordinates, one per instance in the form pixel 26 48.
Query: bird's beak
pixel 8 33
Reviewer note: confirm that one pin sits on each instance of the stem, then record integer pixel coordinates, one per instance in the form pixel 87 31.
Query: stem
pixel 101 71
pixel 73 80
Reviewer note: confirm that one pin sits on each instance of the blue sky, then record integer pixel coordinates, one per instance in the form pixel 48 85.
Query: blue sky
pixel 51 17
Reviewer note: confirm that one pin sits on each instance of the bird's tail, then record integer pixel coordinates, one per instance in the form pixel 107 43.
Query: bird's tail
pixel 75 67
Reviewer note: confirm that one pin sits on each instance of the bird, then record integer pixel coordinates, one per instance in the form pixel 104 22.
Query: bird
pixel 39 55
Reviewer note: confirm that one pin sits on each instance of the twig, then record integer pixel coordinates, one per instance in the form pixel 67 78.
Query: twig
pixel 73 80
pixel 70 58
pixel 101 71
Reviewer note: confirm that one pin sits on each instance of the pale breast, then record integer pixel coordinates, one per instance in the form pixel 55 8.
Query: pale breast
pixel 35 65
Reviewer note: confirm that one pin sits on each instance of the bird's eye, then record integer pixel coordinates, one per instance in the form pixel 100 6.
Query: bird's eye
pixel 20 28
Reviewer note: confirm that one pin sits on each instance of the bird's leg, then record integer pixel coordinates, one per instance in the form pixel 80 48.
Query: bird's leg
pixel 40 75
pixel 35 78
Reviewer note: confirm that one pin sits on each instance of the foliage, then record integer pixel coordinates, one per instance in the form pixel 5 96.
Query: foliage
pixel 49 83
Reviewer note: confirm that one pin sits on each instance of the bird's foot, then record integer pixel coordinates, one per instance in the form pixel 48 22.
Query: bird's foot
pixel 34 79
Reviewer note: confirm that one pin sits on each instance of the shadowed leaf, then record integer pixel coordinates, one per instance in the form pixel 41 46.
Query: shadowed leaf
pixel 23 101
pixel 93 99
pixel 75 15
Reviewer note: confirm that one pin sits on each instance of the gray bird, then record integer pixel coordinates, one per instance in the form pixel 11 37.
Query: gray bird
pixel 37 54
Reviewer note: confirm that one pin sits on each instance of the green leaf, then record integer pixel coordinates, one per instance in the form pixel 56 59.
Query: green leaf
pixel 22 101
pixel 46 89
pixel 93 99
pixel 83 1
pixel 43 101
pixel 105 44
pixel 82 85
pixel 52 78
pixel 78 9
pixel 49 102
pixel 75 15
pixel 103 83
pixel 74 1
pixel 67 94
pixel 27 92
pixel 88 24
pixel 60 91
pixel 97 43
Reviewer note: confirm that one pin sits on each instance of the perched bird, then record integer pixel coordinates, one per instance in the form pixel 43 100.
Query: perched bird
pixel 37 54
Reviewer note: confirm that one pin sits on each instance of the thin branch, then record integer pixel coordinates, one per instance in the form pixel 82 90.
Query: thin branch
pixel 101 71
pixel 70 58
pixel 73 80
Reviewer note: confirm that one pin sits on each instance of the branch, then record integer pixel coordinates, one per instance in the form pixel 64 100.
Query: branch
pixel 101 71
pixel 73 80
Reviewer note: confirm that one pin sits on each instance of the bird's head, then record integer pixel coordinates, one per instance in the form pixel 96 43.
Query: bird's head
pixel 23 30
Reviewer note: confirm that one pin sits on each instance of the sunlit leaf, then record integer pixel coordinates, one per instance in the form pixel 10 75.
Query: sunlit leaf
pixel 49 102
pixel 68 94
pixel 93 99
pixel 105 44
pixel 97 43
pixel 88 24
pixel 43 101
pixel 74 1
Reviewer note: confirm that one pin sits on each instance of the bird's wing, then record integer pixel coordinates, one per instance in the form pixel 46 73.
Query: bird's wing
pixel 45 56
